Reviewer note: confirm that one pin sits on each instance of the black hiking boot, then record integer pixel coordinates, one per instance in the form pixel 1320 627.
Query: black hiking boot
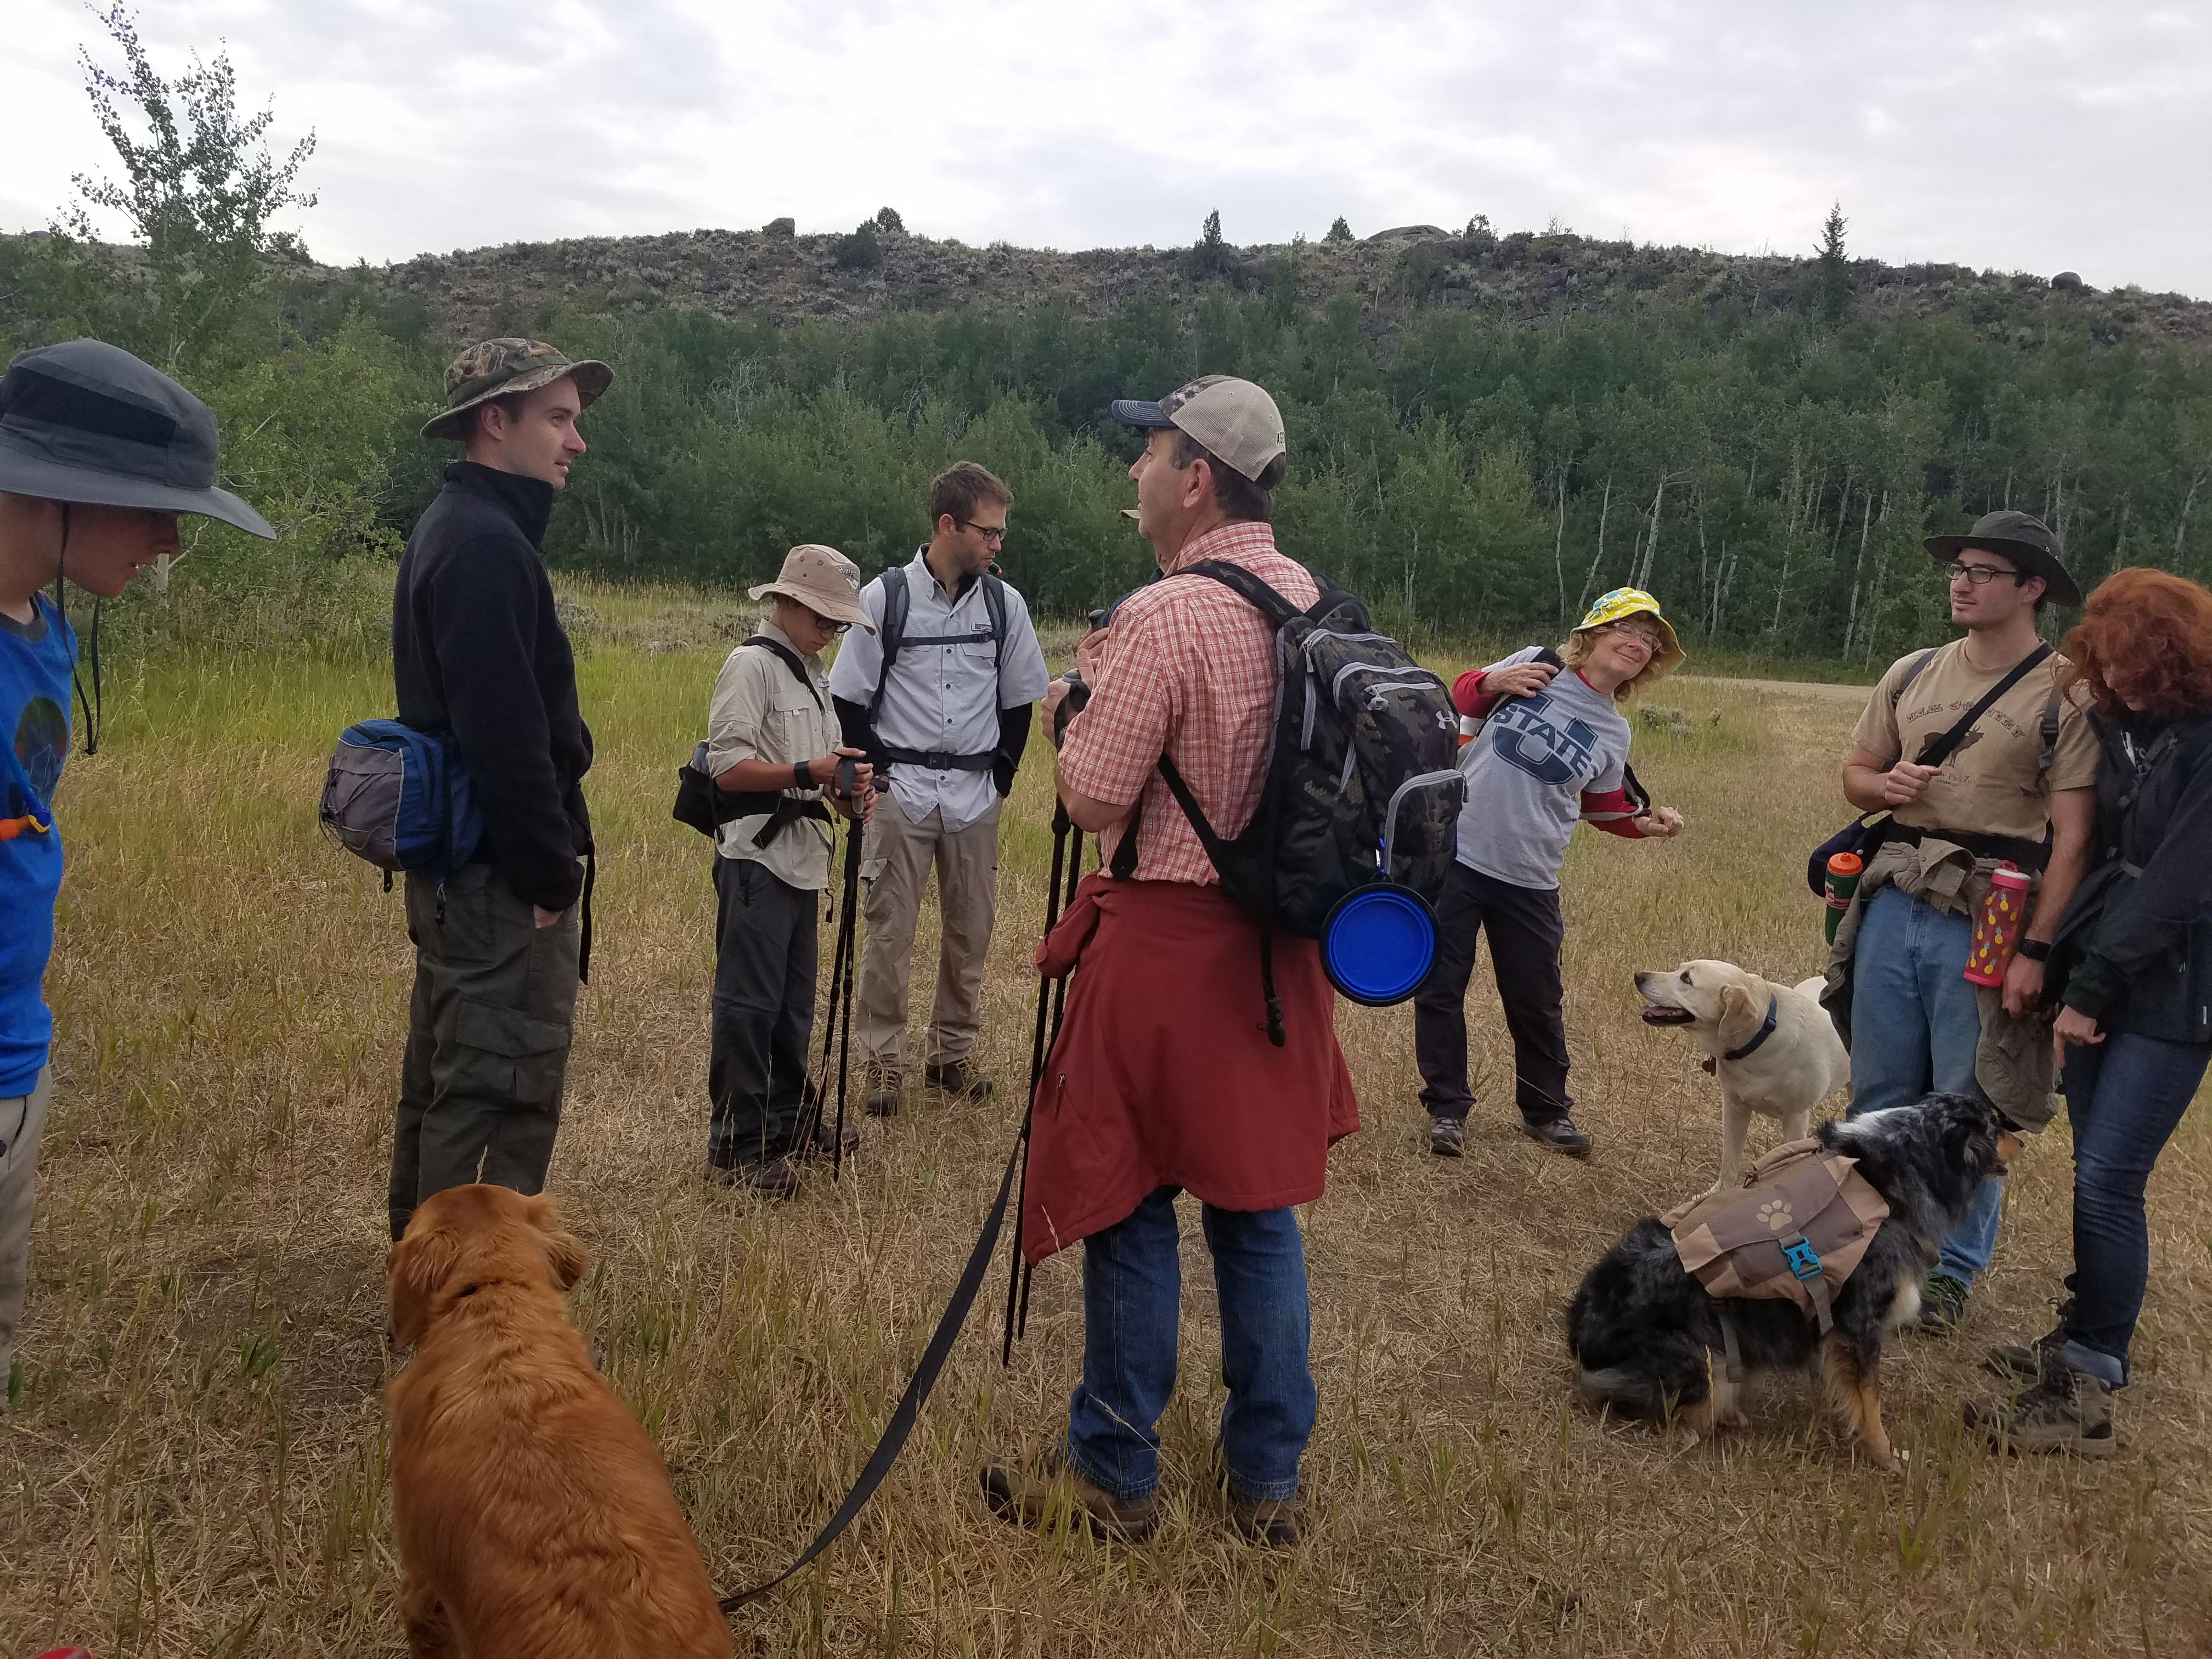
pixel 1943 1303
pixel 1559 1133
pixel 2024 1363
pixel 771 1178
pixel 955 1077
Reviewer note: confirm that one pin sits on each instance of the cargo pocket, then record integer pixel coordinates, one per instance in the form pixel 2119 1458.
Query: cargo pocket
pixel 509 1054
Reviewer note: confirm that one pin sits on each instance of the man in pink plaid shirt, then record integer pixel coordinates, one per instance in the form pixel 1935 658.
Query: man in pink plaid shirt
pixel 1163 1080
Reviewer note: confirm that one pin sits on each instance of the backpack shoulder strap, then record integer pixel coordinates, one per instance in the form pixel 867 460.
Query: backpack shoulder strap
pixel 892 633
pixel 2051 714
pixel 995 601
pixel 1263 598
pixel 1939 750
pixel 1913 673
pixel 790 661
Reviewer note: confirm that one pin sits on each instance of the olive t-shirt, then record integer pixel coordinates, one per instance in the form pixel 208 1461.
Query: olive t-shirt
pixel 1988 785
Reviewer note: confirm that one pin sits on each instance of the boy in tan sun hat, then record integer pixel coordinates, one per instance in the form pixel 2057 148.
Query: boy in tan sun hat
pixel 772 737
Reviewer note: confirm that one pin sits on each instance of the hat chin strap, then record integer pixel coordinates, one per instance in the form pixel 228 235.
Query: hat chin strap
pixel 92 704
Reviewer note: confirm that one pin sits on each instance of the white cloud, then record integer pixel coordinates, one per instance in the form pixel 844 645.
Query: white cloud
pixel 2036 137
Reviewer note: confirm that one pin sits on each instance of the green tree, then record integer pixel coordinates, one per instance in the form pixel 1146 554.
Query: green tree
pixel 1835 278
pixel 1338 231
pixel 198 191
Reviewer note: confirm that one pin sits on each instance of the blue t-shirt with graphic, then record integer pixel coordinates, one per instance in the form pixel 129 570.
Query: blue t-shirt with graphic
pixel 35 661
pixel 1527 771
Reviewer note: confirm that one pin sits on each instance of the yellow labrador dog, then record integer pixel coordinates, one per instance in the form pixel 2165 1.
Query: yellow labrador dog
pixel 1773 1047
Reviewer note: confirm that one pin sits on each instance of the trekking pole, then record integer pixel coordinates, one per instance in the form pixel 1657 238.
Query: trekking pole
pixel 1051 997
pixel 854 826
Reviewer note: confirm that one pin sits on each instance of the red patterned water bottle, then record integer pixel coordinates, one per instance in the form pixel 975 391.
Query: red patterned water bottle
pixel 1997 928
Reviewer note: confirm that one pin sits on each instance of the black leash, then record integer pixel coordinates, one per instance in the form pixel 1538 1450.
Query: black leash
pixel 1050 1002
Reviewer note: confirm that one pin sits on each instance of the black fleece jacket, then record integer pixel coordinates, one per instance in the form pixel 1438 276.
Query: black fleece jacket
pixel 2134 951
pixel 477 650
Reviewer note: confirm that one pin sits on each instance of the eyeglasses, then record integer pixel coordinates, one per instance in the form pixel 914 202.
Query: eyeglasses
pixel 833 629
pixel 994 534
pixel 1981 575
pixel 1644 637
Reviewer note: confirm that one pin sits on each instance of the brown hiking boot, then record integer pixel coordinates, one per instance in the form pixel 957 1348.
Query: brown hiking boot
pixel 2024 1363
pixel 2068 1411
pixel 883 1093
pixel 1272 1522
pixel 1034 1499
pixel 955 1077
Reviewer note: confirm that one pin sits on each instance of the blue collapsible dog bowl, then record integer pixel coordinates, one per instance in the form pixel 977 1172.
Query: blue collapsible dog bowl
pixel 1377 943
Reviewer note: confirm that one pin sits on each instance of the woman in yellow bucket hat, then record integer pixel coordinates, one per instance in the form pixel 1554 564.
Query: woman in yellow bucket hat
pixel 1545 746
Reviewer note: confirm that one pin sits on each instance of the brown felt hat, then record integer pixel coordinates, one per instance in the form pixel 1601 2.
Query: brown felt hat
pixel 2023 538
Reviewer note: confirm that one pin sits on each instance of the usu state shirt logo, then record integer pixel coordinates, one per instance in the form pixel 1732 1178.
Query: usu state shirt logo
pixel 1548 751
pixel 41 740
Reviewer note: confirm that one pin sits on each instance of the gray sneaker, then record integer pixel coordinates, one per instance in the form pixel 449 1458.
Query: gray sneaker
pixel 1448 1136
pixel 1559 1133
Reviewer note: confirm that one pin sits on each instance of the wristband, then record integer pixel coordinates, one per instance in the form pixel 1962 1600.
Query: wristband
pixel 2036 949
pixel 802 776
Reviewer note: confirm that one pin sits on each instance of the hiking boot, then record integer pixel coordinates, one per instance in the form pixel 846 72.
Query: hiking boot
pixel 1942 1303
pixel 1447 1136
pixel 819 1143
pixel 1559 1133
pixel 772 1178
pixel 2027 1362
pixel 2068 1411
pixel 883 1094
pixel 955 1077
pixel 1271 1522
pixel 1031 1499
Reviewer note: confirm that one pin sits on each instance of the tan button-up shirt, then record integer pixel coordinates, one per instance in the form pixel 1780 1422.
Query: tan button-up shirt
pixel 761 711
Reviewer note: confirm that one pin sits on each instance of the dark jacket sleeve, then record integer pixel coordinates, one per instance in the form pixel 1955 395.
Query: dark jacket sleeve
pixel 484 603
pixel 1013 738
pixel 2145 917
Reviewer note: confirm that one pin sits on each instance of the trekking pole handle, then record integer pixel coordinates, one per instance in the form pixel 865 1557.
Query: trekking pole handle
pixel 843 787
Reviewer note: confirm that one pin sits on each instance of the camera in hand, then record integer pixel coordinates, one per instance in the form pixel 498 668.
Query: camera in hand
pixel 1079 694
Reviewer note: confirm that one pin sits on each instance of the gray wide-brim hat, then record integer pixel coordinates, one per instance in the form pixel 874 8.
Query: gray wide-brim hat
pixel 504 367
pixel 87 423
pixel 2023 538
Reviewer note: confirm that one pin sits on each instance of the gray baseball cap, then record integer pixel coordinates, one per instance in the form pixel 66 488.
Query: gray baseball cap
pixel 87 423
pixel 1233 418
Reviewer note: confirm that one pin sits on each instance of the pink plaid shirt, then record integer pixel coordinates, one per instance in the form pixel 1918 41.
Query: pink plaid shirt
pixel 1189 670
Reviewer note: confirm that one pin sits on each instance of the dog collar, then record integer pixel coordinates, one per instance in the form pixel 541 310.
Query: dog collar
pixel 1765 1031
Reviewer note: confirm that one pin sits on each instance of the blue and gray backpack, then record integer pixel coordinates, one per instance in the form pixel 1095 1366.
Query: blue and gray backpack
pixel 399 798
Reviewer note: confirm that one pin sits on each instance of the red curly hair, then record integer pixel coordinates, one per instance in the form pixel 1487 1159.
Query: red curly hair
pixel 2152 633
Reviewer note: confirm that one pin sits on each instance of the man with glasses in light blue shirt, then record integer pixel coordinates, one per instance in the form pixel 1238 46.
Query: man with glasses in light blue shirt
pixel 940 697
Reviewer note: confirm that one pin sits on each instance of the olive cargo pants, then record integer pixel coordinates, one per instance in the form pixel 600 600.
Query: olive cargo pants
pixel 488 1034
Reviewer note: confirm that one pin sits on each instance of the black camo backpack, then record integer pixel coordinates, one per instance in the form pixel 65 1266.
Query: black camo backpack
pixel 1363 783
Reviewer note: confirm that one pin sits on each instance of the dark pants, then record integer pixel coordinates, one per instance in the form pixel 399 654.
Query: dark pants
pixel 488 1033
pixel 1525 932
pixel 764 1008
pixel 2124 1096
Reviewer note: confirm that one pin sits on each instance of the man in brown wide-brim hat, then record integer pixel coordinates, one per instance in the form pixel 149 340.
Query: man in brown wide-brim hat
pixel 503 939
pixel 2020 538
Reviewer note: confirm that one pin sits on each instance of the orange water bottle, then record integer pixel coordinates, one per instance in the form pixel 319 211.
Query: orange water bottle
pixel 1997 928
pixel 1845 869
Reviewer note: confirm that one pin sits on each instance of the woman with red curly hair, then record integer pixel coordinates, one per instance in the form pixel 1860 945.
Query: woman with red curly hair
pixel 2131 972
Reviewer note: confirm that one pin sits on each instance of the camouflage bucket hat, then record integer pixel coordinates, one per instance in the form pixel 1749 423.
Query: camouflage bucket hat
pixel 500 367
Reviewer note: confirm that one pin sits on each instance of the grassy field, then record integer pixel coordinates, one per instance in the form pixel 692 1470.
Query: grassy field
pixel 194 1461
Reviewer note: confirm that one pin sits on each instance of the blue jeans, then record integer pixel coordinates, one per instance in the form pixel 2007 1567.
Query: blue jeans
pixel 1915 1027
pixel 2123 1097
pixel 1131 1303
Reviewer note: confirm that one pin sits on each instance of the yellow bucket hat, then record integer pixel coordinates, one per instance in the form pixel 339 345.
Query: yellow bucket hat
pixel 1625 602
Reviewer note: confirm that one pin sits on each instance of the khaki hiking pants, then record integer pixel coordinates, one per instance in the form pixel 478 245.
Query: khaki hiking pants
pixel 22 1121
pixel 487 1039
pixel 895 860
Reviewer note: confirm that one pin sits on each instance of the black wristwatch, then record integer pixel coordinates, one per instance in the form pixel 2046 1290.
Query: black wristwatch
pixel 802 776
pixel 2036 949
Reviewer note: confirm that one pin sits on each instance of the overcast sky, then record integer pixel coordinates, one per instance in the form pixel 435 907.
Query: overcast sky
pixel 2023 136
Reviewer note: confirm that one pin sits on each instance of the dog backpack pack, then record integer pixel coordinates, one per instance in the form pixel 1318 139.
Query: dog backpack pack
pixel 1358 813
pixel 399 798
pixel 1798 1230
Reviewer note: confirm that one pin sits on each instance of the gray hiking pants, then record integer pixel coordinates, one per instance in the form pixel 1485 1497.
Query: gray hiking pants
pixel 488 1034
pixel 22 1121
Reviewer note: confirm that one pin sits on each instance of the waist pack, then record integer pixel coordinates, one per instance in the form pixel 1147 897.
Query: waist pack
pixel 707 806
pixel 1358 814
pixel 1799 1230
pixel 399 798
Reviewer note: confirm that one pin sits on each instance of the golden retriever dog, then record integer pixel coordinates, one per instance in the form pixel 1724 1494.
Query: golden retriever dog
pixel 534 1516
pixel 1783 1071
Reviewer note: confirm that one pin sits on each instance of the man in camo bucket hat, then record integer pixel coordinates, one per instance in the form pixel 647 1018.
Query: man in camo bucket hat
pixel 477 650
pixel 505 369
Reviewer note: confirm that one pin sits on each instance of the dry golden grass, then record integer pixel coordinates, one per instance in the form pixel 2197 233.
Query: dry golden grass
pixel 195 1466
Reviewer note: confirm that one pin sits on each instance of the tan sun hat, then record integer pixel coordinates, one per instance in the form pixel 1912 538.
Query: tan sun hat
pixel 500 367
pixel 822 580
pixel 1233 418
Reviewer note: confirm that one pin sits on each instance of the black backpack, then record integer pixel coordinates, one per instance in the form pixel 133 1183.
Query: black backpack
pixel 1363 783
